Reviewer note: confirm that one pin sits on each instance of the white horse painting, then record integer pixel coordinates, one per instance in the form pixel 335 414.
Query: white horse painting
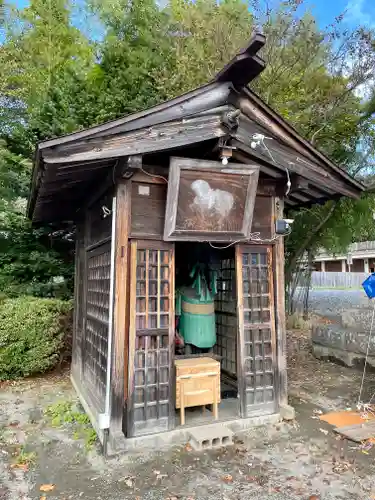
pixel 208 199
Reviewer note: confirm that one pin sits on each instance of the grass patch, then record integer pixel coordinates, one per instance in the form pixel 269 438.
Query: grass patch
pixel 68 414
pixel 23 459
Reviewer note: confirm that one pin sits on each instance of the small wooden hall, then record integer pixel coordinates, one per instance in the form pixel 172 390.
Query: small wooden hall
pixel 179 284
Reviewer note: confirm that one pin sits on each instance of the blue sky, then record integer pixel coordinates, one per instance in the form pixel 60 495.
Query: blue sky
pixel 357 11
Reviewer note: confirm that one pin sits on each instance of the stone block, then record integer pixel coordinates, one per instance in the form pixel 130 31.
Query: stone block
pixel 287 412
pixel 343 339
pixel 210 436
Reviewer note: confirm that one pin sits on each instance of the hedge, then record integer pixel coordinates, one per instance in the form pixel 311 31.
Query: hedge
pixel 33 333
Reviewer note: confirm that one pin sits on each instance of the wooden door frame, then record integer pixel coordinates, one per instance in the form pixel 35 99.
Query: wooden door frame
pixel 270 250
pixel 134 245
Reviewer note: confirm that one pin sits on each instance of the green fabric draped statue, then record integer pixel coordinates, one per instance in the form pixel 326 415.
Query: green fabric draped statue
pixel 196 306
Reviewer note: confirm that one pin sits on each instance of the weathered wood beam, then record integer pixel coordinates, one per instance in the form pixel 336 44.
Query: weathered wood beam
pixel 300 197
pixel 197 101
pixel 298 183
pixel 121 311
pixel 240 156
pixel 158 138
pixel 115 173
pixel 279 289
pixel 253 106
pixel 246 65
pixel 282 160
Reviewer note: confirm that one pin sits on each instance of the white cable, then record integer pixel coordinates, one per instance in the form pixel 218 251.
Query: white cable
pixel 253 237
pixel 261 138
pixel 359 404
pixel 288 184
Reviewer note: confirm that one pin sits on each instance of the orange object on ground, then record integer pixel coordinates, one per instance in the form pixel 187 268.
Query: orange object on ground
pixel 345 418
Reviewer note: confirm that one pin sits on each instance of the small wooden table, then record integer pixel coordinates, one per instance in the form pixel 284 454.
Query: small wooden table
pixel 197 384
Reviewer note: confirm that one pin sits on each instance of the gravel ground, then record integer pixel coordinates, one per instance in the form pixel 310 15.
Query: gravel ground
pixel 299 460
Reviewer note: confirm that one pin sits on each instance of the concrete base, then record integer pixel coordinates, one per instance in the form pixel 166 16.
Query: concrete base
pixel 182 436
pixel 348 358
pixel 344 344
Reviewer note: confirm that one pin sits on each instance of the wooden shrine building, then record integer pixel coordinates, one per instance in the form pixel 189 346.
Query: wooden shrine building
pixel 207 173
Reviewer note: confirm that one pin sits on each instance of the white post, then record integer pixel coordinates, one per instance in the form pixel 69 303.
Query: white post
pixel 323 266
pixel 343 266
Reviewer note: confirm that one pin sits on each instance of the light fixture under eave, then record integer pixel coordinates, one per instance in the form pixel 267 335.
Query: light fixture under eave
pixel 226 152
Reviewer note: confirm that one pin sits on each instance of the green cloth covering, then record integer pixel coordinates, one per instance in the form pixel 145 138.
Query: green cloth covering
pixel 197 329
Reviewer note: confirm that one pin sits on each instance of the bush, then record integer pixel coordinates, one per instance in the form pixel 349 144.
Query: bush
pixel 296 321
pixel 33 333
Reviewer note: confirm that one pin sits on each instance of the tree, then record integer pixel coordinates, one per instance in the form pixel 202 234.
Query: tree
pixel 56 80
pixel 203 36
pixel 134 48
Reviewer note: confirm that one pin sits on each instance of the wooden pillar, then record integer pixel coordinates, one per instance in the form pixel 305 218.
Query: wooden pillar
pixel 366 266
pixel 323 269
pixel 120 316
pixel 343 266
pixel 78 304
pixel 279 286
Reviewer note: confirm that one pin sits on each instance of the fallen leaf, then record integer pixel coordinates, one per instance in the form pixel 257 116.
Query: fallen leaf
pixel 43 498
pixel 47 487
pixel 251 478
pixel 23 467
pixel 314 497
pixel 227 478
pixel 188 447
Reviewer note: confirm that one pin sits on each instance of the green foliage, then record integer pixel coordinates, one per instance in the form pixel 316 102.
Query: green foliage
pixel 68 413
pixel 32 335
pixel 203 37
pixel 24 458
pixel 31 259
pixel 296 321
pixel 55 80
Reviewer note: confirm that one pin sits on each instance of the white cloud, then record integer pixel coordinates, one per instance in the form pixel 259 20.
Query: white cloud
pixel 357 12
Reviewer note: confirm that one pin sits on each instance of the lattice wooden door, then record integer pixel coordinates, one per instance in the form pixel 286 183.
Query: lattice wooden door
pixel 256 318
pixel 95 344
pixel 151 338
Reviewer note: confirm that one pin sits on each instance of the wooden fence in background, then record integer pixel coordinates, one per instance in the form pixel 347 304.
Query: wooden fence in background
pixel 337 280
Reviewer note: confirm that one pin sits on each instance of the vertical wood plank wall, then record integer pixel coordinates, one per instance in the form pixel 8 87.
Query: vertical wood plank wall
pixel 92 284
